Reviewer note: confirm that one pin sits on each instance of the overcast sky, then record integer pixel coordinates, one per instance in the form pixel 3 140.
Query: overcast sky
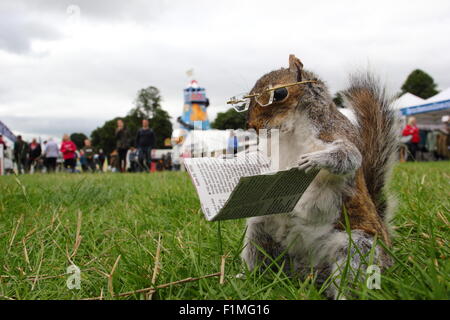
pixel 68 66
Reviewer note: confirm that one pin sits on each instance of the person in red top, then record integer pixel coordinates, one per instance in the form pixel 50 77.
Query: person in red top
pixel 68 149
pixel 413 144
pixel 3 142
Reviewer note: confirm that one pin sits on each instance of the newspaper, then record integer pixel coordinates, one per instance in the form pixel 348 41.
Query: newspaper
pixel 244 186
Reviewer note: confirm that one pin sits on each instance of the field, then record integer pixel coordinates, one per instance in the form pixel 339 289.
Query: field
pixel 117 227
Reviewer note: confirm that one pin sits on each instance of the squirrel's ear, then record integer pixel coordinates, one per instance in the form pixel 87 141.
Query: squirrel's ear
pixel 295 65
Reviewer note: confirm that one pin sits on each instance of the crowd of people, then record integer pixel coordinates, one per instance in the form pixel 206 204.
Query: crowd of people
pixel 422 141
pixel 31 157
pixel 132 154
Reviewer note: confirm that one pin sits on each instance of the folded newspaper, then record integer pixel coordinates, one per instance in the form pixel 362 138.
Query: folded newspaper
pixel 244 186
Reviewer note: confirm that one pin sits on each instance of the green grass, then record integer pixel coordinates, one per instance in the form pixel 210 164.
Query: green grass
pixel 124 214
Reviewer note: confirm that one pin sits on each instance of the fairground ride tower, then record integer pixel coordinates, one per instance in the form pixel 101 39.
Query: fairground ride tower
pixel 194 114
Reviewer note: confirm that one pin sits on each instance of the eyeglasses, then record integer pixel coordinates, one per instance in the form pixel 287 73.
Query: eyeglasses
pixel 241 102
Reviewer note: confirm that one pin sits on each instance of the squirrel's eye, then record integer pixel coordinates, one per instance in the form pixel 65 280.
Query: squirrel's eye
pixel 280 94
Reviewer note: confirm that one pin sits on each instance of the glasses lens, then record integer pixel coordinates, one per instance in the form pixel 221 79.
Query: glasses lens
pixel 240 103
pixel 280 94
pixel 265 98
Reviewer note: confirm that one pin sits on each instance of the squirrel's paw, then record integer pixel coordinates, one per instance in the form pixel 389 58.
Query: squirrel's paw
pixel 313 160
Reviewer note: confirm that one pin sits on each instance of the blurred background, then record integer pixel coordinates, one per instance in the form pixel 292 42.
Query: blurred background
pixel 72 66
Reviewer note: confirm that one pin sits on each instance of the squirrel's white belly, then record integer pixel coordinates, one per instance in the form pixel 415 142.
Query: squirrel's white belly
pixel 316 213
pixel 313 218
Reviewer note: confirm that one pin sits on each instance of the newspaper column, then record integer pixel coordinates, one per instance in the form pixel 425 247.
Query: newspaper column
pixel 2 162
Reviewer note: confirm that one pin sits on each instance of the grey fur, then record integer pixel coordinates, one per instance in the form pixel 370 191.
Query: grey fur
pixel 314 134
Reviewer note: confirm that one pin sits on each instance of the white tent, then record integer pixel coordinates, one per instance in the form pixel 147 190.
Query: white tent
pixel 407 100
pixel 441 96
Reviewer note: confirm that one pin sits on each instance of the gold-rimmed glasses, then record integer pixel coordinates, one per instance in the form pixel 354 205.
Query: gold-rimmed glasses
pixel 271 94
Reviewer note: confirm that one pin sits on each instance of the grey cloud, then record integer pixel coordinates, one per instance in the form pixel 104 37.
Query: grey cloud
pixel 112 10
pixel 23 21
pixel 52 127
pixel 17 32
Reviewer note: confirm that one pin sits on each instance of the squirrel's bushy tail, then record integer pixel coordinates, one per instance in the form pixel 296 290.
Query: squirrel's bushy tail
pixel 378 135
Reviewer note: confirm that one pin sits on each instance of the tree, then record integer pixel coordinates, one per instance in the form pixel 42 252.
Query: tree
pixel 148 100
pixel 104 137
pixel 147 107
pixel 420 84
pixel 78 139
pixel 338 100
pixel 231 119
pixel 162 126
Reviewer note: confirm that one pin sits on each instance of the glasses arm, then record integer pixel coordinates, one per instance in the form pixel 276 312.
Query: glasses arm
pixel 290 85
pixel 269 90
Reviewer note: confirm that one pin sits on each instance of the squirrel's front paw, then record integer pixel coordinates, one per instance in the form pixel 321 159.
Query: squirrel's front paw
pixel 313 160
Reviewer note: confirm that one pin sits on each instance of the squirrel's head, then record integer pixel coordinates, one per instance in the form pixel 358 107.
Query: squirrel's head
pixel 270 108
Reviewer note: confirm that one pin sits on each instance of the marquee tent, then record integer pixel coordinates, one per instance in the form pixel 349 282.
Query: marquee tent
pixel 407 100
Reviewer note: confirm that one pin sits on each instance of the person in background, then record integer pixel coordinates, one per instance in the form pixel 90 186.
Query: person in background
pixel 51 155
pixel 101 159
pixel 113 160
pixel 122 144
pixel 160 163
pixel 232 146
pixel 20 154
pixel 168 162
pixel 3 142
pixel 83 161
pixel 445 129
pixel 68 149
pixel 176 157
pixel 145 142
pixel 95 161
pixel 88 152
pixel 133 160
pixel 44 158
pixel 34 152
pixel 412 131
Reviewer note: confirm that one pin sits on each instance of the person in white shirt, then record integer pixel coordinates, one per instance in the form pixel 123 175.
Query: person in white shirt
pixel 51 155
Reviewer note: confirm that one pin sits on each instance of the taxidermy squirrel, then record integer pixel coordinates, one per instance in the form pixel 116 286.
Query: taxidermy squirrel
pixel 345 208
